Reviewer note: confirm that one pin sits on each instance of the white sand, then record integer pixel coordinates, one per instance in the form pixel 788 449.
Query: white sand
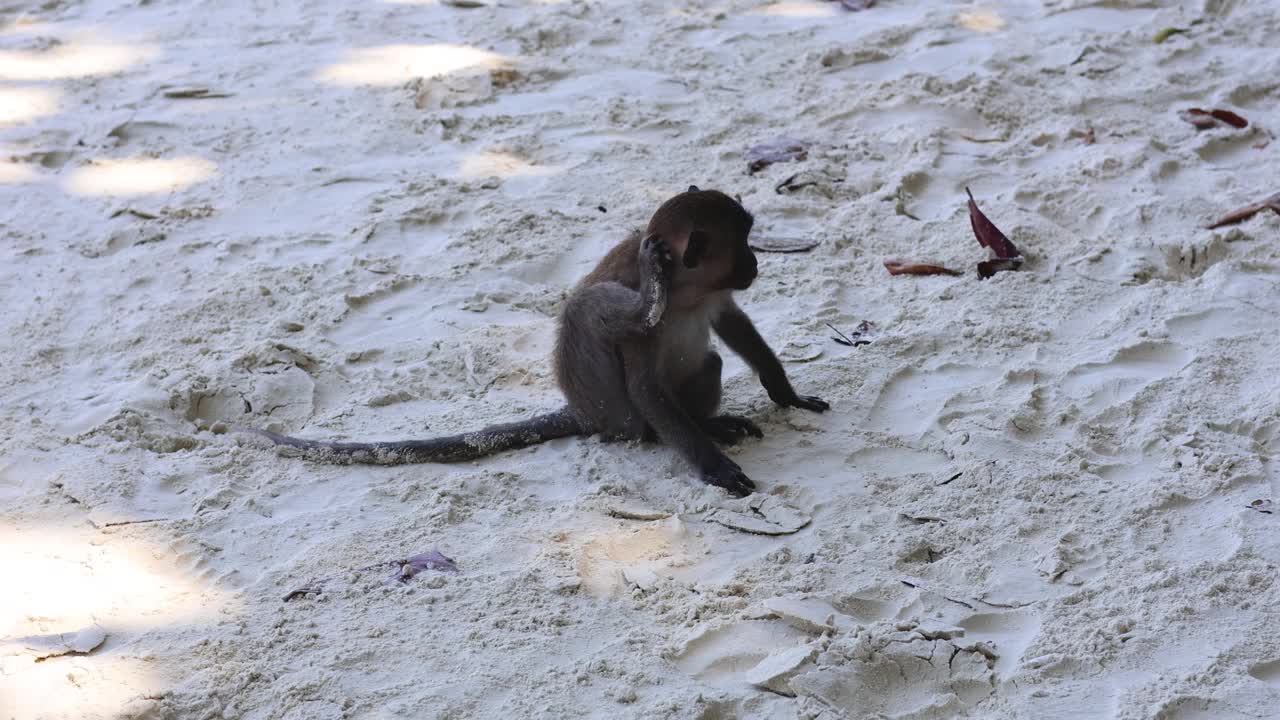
pixel 1031 498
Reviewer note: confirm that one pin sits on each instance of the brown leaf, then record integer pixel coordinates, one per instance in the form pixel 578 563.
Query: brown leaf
pixel 1205 119
pixel 1201 119
pixel 1246 212
pixel 989 236
pixel 1230 118
pixel 782 150
pixel 987 268
pixel 898 267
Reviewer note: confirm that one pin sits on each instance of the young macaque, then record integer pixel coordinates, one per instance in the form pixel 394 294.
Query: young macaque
pixel 633 354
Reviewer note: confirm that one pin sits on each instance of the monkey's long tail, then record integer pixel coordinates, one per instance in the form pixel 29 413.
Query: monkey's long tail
pixel 451 448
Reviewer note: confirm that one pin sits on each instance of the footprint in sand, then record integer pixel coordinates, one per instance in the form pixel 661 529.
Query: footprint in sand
pixel 1098 386
pixel 1195 531
pixel 1008 633
pixel 1267 672
pixel 912 402
pixel 721 655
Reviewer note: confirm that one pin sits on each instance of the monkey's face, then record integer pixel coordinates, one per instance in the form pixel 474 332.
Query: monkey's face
pixel 716 254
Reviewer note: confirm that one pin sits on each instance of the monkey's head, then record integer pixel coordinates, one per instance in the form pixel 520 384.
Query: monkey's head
pixel 707 233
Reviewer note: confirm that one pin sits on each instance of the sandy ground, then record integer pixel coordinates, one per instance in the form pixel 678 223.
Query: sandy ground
pixel 1046 495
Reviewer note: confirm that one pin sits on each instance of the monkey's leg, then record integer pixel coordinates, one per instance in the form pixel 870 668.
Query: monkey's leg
pixel 674 427
pixel 591 371
pixel 700 396
pixel 735 328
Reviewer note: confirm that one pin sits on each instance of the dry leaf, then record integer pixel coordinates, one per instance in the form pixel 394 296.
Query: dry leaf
pixel 1167 33
pixel 987 268
pixel 405 570
pixel 899 267
pixel 989 236
pixel 1206 119
pixel 856 5
pixel 1247 212
pixel 782 150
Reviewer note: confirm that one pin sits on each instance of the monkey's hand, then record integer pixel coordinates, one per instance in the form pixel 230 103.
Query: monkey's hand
pixel 655 255
pixel 729 476
pixel 729 429
pixel 655 274
pixel 805 402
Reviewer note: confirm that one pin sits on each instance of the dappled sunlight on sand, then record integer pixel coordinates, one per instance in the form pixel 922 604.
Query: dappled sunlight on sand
pixel 500 164
pixel 139 175
pixel 63 579
pixel 72 60
pixel 23 104
pixel 983 20
pixel 16 174
pixel 394 64
pixel 78 687
pixel 798 8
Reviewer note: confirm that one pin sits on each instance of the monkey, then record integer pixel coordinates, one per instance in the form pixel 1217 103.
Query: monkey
pixel 633 355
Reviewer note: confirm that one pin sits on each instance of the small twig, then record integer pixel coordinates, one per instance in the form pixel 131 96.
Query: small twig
pixel 843 339
pixel 951 479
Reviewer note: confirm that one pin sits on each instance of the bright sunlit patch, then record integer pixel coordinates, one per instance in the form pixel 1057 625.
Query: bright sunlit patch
pixel 499 164
pixel 797 9
pixel 72 60
pixel 394 64
pixel 16 174
pixel 981 20
pixel 60 579
pixel 23 104
pixel 606 556
pixel 139 176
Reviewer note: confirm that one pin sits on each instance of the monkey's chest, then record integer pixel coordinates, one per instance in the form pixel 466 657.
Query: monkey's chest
pixel 683 346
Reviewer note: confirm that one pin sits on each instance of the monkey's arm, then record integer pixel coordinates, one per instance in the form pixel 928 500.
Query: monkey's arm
pixel 615 311
pixel 735 328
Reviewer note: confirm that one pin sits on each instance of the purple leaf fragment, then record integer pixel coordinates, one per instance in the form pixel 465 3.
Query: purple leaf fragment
pixel 434 560
pixel 762 156
pixel 405 570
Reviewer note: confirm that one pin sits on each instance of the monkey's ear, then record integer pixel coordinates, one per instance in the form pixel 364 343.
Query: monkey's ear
pixel 693 188
pixel 695 248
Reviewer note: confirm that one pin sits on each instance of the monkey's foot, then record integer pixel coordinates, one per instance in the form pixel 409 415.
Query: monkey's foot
pixel 729 429
pixel 729 476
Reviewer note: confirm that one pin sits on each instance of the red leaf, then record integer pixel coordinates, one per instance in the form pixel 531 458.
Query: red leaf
pixel 1230 118
pixel 1200 118
pixel 1248 211
pixel 989 236
pixel 1205 119
pixel 898 267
